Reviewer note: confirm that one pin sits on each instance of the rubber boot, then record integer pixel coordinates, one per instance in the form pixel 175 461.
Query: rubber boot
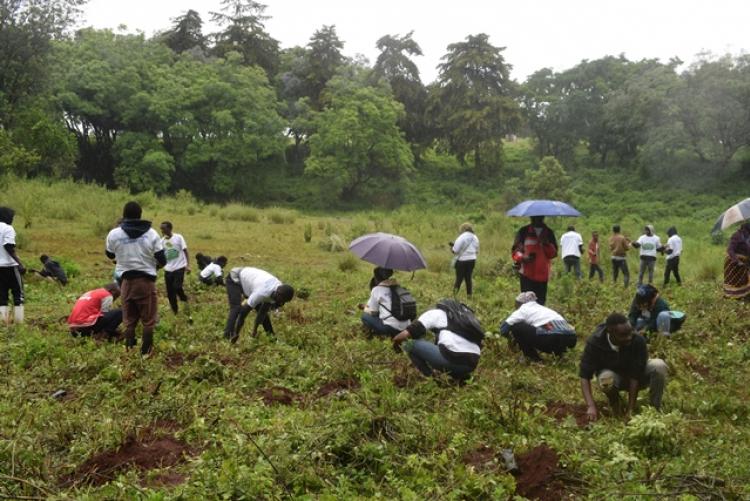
pixel 18 314
pixel 4 315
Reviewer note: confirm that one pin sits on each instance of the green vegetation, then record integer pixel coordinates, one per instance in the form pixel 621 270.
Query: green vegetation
pixel 323 412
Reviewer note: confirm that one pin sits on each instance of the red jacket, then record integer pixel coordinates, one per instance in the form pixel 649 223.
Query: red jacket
pixel 88 308
pixel 527 243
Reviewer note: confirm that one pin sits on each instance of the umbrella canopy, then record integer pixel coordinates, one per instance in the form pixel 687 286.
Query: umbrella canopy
pixel 388 251
pixel 530 208
pixel 735 214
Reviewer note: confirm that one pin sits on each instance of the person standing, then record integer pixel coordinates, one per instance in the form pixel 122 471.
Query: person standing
pixel 178 263
pixel 593 253
pixel 737 264
pixel 673 249
pixel 138 250
pixel 263 292
pixel 619 245
pixel 649 244
pixel 11 270
pixel 571 244
pixel 465 250
pixel 533 249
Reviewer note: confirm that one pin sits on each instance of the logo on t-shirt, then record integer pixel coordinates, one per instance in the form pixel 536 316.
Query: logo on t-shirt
pixel 171 252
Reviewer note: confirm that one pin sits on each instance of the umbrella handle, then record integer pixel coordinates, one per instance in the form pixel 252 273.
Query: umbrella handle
pixel 412 275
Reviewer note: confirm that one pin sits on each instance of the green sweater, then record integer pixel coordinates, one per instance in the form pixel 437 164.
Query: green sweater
pixel 635 313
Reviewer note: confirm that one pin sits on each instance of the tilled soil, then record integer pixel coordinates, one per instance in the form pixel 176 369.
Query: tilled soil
pixel 338 387
pixel 537 478
pixel 279 395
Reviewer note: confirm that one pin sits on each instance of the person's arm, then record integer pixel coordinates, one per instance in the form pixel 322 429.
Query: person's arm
pixel 550 245
pixel 592 414
pixel 11 250
pixel 632 396
pixel 634 313
pixel 158 246
pixel 260 317
pixel 161 259
pixel 505 328
pixel 187 260
pixel 415 330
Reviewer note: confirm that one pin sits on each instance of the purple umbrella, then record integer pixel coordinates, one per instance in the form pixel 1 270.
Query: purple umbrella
pixel 542 208
pixel 388 251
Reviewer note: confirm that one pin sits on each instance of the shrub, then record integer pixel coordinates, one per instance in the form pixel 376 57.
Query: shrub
pixel 70 267
pixel 280 216
pixel 236 212
pixel 334 244
pixel 308 232
pixel 348 263
pixel 653 433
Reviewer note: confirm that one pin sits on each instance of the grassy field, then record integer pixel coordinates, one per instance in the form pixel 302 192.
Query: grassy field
pixel 322 412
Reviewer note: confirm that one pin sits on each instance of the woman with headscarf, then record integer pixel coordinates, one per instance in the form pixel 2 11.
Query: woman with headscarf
pixel 11 269
pixel 736 272
pixel 465 250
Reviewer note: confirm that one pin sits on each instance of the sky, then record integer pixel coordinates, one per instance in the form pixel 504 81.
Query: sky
pixel 536 33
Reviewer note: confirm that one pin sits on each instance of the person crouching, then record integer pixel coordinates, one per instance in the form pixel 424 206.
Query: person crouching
pixel 93 313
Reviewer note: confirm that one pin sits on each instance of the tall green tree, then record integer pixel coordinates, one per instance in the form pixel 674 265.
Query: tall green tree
pixel 324 57
pixel 186 33
pixel 473 101
pixel 243 31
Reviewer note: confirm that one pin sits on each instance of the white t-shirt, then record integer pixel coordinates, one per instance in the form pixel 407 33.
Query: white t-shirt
pixel 533 314
pixel 174 250
pixel 437 320
pixel 674 243
pixel 466 246
pixel 380 303
pixel 649 244
pixel 7 236
pixel 211 270
pixel 257 285
pixel 570 244
pixel 134 254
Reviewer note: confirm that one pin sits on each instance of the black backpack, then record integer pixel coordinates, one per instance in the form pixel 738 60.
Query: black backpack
pixel 462 321
pixel 403 304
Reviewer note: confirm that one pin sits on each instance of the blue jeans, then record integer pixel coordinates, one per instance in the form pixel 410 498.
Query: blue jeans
pixel 427 358
pixel 377 326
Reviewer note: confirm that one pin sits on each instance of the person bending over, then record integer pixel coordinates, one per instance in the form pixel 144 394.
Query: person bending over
pixel 378 317
pixel 52 270
pixel 93 313
pixel 213 273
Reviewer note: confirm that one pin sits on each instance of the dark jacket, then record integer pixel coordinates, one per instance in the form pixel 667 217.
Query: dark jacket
pixel 54 270
pixel 629 361
pixel 635 313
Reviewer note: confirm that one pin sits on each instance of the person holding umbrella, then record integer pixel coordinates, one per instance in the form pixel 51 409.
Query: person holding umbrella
pixel 534 248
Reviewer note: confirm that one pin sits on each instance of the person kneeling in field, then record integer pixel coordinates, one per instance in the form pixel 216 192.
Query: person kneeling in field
pixel 378 316
pixel 93 313
pixel 52 270
pixel 618 357
pixel 649 312
pixel 263 292
pixel 458 340
pixel 537 328
pixel 212 273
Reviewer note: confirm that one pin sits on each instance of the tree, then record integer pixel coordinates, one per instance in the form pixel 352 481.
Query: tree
pixel 323 59
pixel 358 147
pixel 143 164
pixel 394 66
pixel 244 32
pixel 548 181
pixel 186 33
pixel 473 101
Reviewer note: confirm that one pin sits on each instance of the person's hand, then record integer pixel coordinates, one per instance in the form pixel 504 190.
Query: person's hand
pixel 21 269
pixel 187 269
pixel 528 258
pixel 592 414
pixel 399 338
pixel 361 306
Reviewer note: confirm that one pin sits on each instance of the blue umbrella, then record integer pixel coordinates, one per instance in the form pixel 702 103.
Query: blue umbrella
pixel 550 208
pixel 737 213
pixel 388 251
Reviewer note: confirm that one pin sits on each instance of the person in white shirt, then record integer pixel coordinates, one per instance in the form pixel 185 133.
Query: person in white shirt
pixel 11 270
pixel 649 244
pixel 136 247
pixel 377 317
pixel 571 245
pixel 536 328
pixel 673 250
pixel 263 292
pixel 213 273
pixel 465 250
pixel 454 353
pixel 178 263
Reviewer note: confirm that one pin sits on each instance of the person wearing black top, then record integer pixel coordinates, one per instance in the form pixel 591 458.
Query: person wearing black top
pixel 618 357
pixel 52 270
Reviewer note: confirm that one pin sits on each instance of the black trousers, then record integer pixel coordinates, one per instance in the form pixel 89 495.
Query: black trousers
pixel 236 316
pixel 673 266
pixel 531 342
pixel 620 264
pixel 464 270
pixel 538 288
pixel 174 280
pixel 11 283
pixel 107 323
pixel 596 269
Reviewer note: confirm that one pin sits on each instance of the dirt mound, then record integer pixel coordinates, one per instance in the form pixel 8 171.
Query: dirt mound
pixel 158 448
pixel 176 359
pixel 537 478
pixel 338 387
pixel 483 458
pixel 279 395
pixel 561 410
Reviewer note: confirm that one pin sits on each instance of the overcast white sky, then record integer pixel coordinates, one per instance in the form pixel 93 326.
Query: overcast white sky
pixel 537 33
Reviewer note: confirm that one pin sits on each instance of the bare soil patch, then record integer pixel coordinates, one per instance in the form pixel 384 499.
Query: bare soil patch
pixel 561 410
pixel 338 387
pixel 279 395
pixel 539 468
pixel 483 458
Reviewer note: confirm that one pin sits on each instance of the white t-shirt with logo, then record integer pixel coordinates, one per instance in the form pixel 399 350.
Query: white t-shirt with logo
pixel 7 236
pixel 649 244
pixel 570 244
pixel 466 246
pixel 380 303
pixel 534 314
pixel 134 254
pixel 674 243
pixel 257 285
pixel 174 250
pixel 211 270
pixel 437 320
